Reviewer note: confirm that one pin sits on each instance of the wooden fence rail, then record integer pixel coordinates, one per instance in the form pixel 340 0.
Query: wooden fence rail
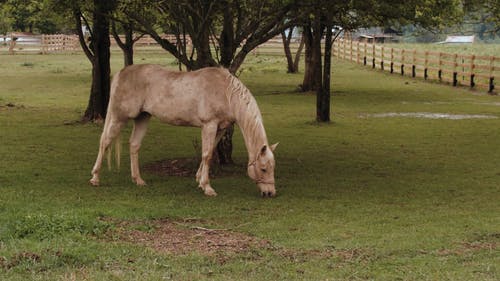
pixel 45 44
pixel 458 69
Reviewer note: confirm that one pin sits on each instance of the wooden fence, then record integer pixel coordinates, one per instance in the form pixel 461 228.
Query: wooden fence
pixel 458 69
pixel 45 44
pixel 59 43
pixel 42 44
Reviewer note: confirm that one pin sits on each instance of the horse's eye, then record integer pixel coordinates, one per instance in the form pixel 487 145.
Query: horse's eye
pixel 263 170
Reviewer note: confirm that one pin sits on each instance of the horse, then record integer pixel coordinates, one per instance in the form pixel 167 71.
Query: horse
pixel 210 98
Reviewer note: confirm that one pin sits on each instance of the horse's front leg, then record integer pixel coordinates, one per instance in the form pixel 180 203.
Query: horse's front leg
pixel 208 140
pixel 218 137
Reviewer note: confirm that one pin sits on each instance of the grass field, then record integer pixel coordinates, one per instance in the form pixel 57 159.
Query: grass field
pixel 361 198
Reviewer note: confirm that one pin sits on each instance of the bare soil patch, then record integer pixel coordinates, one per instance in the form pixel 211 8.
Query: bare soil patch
pixel 182 167
pixel 186 236
pixel 187 167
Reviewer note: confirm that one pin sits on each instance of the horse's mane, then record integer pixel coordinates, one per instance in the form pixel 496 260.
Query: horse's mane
pixel 246 112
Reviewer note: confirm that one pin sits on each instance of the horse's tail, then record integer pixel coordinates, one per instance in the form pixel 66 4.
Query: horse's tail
pixel 116 142
pixel 118 149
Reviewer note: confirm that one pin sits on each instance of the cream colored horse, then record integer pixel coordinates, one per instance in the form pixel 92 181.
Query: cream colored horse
pixel 210 98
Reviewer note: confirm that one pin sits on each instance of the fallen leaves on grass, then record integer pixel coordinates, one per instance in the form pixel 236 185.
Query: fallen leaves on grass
pixel 181 237
pixel 19 258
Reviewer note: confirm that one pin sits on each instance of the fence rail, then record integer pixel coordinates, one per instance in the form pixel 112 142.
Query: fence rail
pixel 45 44
pixel 458 69
pixel 474 71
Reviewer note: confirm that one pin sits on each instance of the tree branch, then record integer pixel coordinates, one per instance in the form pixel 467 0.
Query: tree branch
pixel 81 38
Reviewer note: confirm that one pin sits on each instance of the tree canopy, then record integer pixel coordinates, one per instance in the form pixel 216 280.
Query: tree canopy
pixel 32 16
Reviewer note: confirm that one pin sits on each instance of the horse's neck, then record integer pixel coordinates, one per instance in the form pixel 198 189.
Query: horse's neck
pixel 248 117
pixel 253 132
pixel 254 138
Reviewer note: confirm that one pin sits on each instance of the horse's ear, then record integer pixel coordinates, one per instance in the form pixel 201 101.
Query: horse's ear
pixel 273 147
pixel 263 150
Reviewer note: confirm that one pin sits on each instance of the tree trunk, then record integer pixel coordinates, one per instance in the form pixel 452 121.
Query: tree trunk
pixel 296 61
pixel 127 46
pixel 288 53
pixel 99 93
pixel 224 151
pixel 312 41
pixel 128 51
pixel 323 94
pixel 227 38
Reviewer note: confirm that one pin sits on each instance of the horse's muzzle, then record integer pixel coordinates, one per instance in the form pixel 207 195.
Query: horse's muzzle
pixel 267 190
pixel 268 194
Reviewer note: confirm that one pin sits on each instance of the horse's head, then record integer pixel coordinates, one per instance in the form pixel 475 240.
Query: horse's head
pixel 261 170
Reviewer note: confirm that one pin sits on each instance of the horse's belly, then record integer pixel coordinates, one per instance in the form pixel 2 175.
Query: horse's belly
pixel 178 117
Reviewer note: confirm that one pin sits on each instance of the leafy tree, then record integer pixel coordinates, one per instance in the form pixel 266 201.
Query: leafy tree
pixel 31 16
pixel 483 16
pixel 93 15
pixel 320 18
pixel 127 44
pixel 221 32
pixel 210 33
pixel 97 51
pixel 5 18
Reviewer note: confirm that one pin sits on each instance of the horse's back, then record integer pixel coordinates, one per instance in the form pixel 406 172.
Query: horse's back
pixel 180 98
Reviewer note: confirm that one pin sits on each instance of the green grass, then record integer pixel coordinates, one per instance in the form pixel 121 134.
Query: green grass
pixel 359 198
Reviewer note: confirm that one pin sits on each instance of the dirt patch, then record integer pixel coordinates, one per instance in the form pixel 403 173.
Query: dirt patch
pixel 22 257
pixel 182 167
pixel 186 236
pixel 467 248
pixel 11 105
pixel 187 167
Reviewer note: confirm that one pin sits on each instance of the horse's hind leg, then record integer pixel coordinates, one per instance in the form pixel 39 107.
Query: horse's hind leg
pixel 138 133
pixel 111 131
pixel 208 134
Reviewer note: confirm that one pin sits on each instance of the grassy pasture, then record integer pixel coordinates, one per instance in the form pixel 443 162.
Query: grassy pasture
pixel 362 198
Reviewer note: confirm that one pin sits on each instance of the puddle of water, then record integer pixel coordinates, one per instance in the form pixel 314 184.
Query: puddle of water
pixel 489 103
pixel 429 115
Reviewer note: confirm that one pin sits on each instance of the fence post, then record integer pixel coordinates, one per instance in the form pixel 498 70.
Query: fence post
pixel 426 64
pixel 492 82
pixel 472 74
pixel 413 66
pixel 403 62
pixel 455 65
pixel 440 71
pixel 373 54
pixel 350 42
pixel 43 44
pixel 382 60
pixel 392 60
pixel 357 52
pixel 364 58
pixel 340 48
pixel 12 44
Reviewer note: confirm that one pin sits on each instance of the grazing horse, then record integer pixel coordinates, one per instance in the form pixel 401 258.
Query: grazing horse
pixel 210 98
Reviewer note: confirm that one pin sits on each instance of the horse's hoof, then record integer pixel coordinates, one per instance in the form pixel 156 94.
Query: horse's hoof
pixel 140 182
pixel 94 182
pixel 210 192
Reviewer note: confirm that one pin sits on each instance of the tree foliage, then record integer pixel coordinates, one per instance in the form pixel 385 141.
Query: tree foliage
pixel 31 16
pixel 321 18
pixel 483 16
pixel 221 32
